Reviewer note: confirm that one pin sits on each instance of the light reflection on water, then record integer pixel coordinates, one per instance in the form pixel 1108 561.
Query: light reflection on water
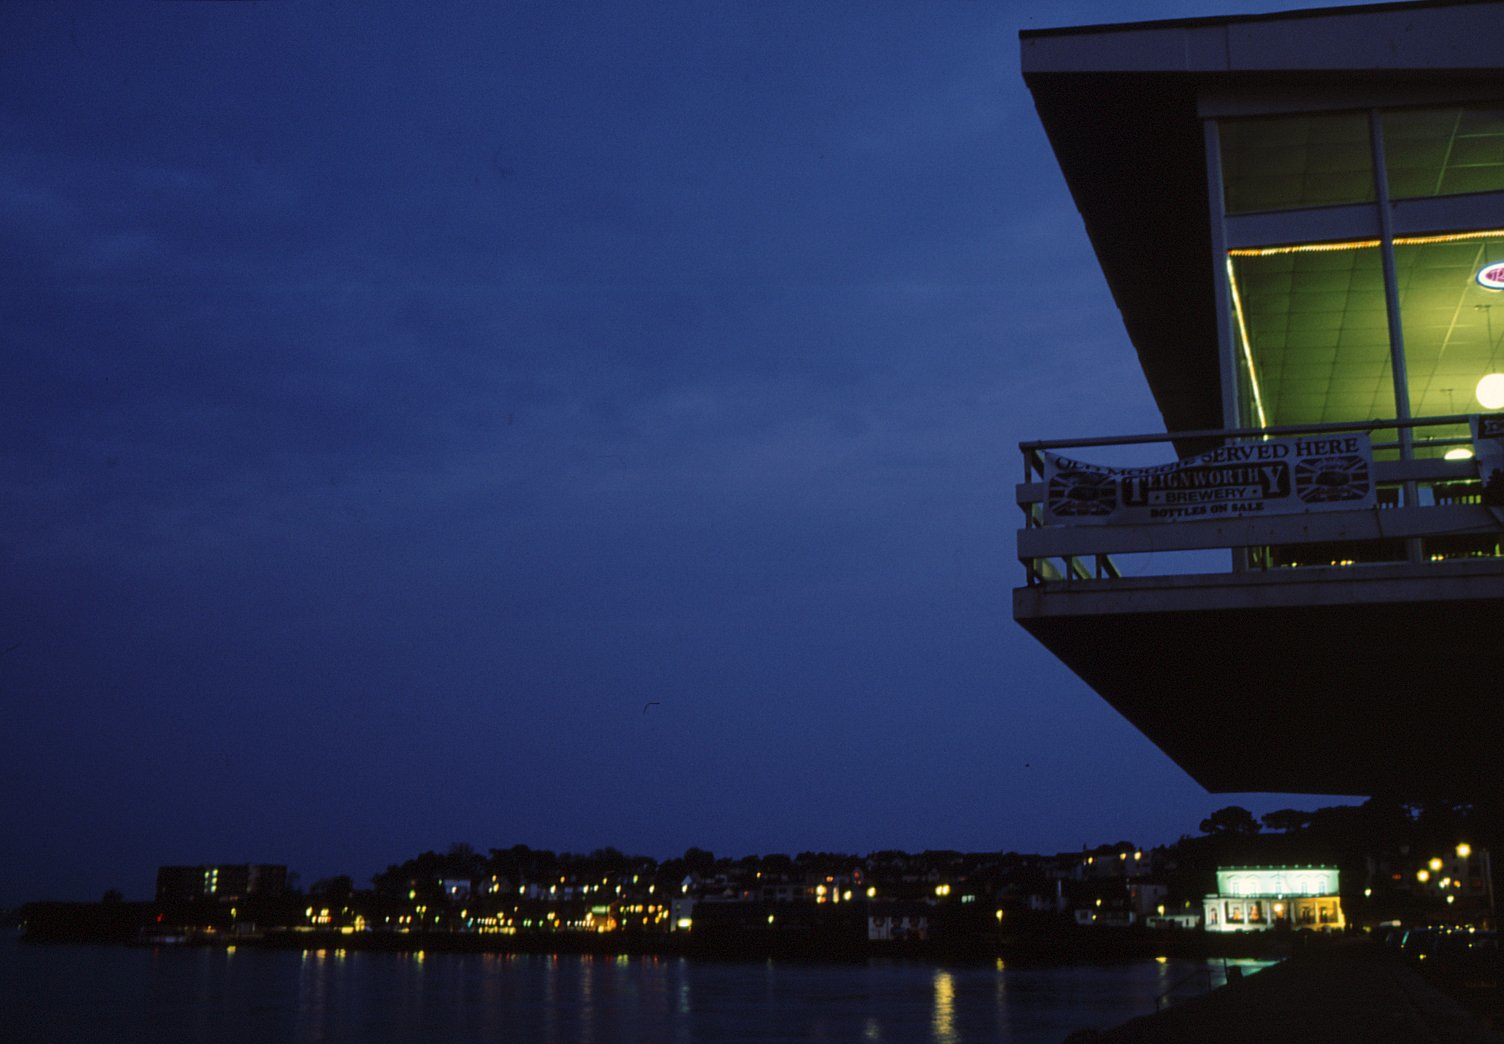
pixel 943 1021
pixel 188 994
pixel 587 999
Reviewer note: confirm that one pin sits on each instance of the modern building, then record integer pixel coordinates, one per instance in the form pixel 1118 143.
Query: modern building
pixel 1301 219
pixel 1261 898
pixel 221 882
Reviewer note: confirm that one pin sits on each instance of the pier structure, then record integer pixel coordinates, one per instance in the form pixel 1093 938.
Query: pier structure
pixel 1301 219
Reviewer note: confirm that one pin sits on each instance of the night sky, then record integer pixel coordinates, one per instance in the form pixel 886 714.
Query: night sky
pixel 559 424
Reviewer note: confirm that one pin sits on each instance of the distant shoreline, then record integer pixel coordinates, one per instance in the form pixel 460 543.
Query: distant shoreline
pixel 137 924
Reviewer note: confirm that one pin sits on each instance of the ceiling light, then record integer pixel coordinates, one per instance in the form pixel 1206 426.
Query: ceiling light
pixel 1460 453
pixel 1491 391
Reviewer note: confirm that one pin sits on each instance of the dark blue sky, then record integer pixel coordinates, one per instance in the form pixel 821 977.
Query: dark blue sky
pixel 395 399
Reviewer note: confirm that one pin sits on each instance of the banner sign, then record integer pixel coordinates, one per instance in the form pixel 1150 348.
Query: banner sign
pixel 1488 448
pixel 1278 476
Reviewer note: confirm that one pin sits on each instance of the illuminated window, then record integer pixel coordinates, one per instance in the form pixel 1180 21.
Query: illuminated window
pixel 1310 319
pixel 1452 336
pixel 1314 335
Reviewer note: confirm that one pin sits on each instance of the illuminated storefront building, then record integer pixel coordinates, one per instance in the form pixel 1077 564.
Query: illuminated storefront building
pixel 1258 898
pixel 1301 218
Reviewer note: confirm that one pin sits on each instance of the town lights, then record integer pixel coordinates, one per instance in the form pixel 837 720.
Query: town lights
pixel 1464 850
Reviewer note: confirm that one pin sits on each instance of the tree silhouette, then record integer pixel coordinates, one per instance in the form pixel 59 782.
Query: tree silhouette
pixel 1286 820
pixel 1234 819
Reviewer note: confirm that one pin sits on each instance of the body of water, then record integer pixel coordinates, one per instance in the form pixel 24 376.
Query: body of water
pixel 71 993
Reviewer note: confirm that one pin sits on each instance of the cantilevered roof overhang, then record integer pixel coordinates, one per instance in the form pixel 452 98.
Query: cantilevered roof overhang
pixel 1319 681
pixel 1123 105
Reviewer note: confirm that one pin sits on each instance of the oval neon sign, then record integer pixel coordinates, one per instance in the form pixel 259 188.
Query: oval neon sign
pixel 1491 275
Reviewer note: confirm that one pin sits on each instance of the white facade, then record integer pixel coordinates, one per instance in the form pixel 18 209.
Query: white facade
pixel 1254 899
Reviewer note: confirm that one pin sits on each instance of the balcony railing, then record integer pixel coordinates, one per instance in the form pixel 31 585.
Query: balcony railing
pixel 1427 509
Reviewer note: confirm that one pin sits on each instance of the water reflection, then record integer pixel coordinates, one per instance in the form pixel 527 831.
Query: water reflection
pixel 551 997
pixel 351 997
pixel 492 1019
pixel 313 995
pixel 1000 1000
pixel 587 999
pixel 943 1019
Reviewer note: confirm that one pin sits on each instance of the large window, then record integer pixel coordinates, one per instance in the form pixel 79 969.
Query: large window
pixel 1283 162
pixel 1324 159
pixel 1314 334
pixel 1453 326
pixel 1444 151
pixel 1310 323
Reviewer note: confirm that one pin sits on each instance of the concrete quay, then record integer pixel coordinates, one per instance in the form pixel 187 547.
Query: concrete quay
pixel 1349 991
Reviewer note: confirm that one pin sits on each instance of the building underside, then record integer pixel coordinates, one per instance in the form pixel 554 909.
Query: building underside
pixel 1392 682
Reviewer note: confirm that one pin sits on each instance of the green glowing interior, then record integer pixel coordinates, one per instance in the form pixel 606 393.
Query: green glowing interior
pixel 1310 318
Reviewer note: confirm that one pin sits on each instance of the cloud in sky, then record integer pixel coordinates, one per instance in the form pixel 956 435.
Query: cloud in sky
pixel 395 399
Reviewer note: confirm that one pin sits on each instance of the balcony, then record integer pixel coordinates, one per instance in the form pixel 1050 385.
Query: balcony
pixel 1342 651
